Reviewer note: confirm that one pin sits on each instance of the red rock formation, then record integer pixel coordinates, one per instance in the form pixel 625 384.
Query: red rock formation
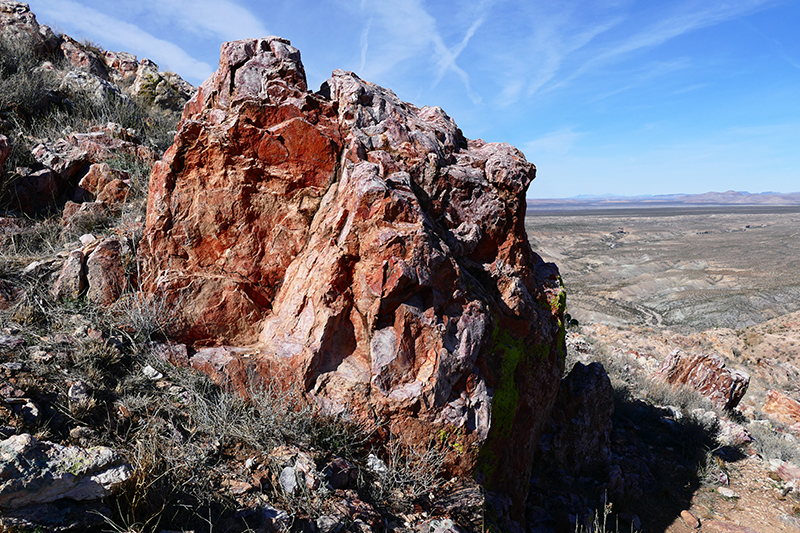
pixel 364 249
pixel 782 408
pixel 707 374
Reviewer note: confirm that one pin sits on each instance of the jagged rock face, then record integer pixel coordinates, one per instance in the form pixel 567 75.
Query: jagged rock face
pixel 706 373
pixel 18 23
pixel 364 248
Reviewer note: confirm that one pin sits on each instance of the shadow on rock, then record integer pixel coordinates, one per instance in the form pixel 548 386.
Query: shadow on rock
pixel 607 452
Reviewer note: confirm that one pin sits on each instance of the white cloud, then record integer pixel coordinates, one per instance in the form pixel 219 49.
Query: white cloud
pixel 224 19
pixel 126 36
pixel 406 31
pixel 685 18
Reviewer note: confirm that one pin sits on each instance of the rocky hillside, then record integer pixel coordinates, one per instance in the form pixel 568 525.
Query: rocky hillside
pixel 253 307
pixel 382 345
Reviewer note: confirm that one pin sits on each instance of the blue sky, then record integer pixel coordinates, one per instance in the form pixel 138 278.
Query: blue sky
pixel 620 96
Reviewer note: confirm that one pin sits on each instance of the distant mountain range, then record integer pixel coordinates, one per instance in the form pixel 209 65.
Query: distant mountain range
pixel 728 198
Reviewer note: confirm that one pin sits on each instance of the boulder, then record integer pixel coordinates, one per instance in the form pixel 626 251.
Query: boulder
pixel 63 158
pixel 122 66
pixel 36 472
pixel 364 250
pixel 104 184
pixel 706 373
pixel 36 192
pixel 71 281
pixel 80 57
pixel 782 408
pixel 166 90
pixel 578 437
pixel 105 272
pixel 98 91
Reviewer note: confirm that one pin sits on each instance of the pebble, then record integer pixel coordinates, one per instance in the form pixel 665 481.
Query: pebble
pixel 690 520
pixel 726 492
pixel 152 373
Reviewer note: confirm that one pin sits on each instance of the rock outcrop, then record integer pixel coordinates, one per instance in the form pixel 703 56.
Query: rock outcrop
pixel 35 472
pixel 782 408
pixel 363 248
pixel 708 374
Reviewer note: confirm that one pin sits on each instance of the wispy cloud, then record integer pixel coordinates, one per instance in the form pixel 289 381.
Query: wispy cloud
pixel 682 18
pixel 225 20
pixel 409 32
pixel 364 42
pixel 127 36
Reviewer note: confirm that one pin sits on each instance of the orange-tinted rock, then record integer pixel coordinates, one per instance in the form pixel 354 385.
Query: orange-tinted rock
pixel 80 57
pixel 107 185
pixel 363 249
pixel 690 520
pixel 706 373
pixel 782 408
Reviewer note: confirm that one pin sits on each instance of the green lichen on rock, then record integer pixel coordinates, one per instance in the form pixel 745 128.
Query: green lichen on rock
pixel 506 396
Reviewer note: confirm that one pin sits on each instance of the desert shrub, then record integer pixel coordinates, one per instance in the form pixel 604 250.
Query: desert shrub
pixel 144 317
pixel 773 442
pixel 408 472
pixel 25 89
pixel 137 169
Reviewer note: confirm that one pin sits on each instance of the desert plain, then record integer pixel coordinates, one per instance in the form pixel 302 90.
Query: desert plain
pixel 723 280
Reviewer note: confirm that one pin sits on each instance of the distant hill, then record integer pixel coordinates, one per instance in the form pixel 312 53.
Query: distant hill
pixel 727 198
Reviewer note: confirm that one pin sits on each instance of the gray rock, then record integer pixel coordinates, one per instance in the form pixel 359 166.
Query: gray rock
pixel 36 472
pixel 276 520
pixel 71 280
pixel 288 480
pixel 329 524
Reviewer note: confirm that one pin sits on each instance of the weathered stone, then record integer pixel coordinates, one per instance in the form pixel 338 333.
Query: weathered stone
pixel 98 91
pixel 62 157
pixel 80 57
pixel 71 282
pixel 105 272
pixel 38 191
pixel 708 375
pixel 98 176
pixel 121 65
pixel 782 408
pixel 365 250
pixel 79 217
pixel 34 472
pixel 166 90
pixel 579 432
pixel 732 434
pixel 5 150
pixel 18 24
pixel 690 520
pixel 340 474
